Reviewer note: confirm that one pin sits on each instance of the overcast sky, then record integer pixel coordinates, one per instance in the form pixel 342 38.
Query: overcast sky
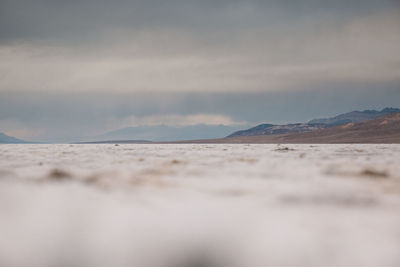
pixel 77 68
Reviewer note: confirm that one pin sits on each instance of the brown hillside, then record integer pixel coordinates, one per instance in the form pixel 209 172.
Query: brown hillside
pixel 385 129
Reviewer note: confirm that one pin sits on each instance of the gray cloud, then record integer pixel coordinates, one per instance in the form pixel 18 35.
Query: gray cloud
pixel 364 49
pixel 86 19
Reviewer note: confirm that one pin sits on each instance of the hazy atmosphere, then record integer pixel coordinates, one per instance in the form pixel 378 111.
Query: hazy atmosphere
pixel 199 133
pixel 70 69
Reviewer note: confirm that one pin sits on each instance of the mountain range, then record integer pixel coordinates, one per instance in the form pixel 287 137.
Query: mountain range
pixel 354 117
pixel 381 130
pixel 160 133
pixel 356 126
pixel 353 127
pixel 315 124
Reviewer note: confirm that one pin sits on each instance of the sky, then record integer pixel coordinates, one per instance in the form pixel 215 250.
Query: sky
pixel 82 68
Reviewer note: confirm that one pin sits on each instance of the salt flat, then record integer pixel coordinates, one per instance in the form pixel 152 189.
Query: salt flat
pixel 200 205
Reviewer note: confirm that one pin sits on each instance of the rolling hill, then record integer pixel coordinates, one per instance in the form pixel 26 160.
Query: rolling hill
pixel 315 124
pixel 382 130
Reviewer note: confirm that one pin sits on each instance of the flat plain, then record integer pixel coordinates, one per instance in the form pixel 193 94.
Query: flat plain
pixel 199 205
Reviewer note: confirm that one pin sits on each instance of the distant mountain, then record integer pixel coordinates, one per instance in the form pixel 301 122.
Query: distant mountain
pixel 5 139
pixel 315 124
pixel 166 133
pixel 382 130
pixel 116 142
pixel 269 129
pixel 354 117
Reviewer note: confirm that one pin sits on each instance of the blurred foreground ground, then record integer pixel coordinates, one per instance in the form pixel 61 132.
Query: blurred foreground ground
pixel 199 205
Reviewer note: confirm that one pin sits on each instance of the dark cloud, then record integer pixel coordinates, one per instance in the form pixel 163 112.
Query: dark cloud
pixel 89 20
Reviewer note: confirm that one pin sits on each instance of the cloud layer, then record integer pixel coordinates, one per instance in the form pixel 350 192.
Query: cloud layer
pixel 190 46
